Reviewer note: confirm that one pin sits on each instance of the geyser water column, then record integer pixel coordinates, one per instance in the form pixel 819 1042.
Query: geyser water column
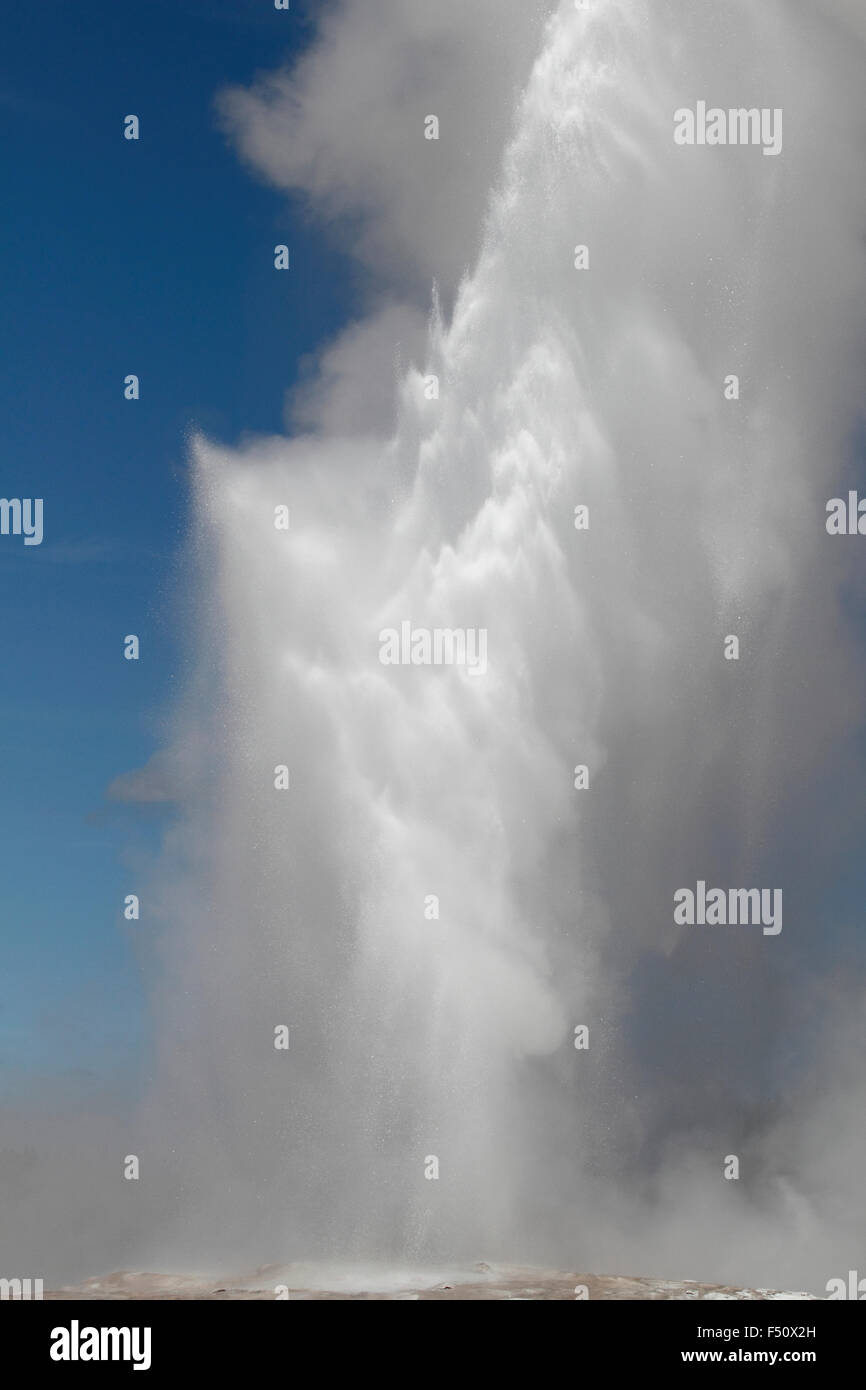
pixel 431 906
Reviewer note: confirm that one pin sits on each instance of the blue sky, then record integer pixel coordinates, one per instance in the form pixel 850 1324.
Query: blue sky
pixel 153 257
pixel 156 258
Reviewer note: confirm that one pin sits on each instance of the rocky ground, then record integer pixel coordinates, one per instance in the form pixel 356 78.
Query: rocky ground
pixel 482 1281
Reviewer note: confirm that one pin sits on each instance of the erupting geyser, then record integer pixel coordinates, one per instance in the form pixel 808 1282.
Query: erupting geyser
pixel 398 863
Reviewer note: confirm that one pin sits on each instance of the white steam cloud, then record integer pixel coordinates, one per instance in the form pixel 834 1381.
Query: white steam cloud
pixel 558 387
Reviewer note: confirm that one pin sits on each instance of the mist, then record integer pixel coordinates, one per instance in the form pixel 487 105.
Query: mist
pixel 432 907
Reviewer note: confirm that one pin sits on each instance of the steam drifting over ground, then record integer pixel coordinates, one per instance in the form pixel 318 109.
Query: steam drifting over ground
pixel 558 387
